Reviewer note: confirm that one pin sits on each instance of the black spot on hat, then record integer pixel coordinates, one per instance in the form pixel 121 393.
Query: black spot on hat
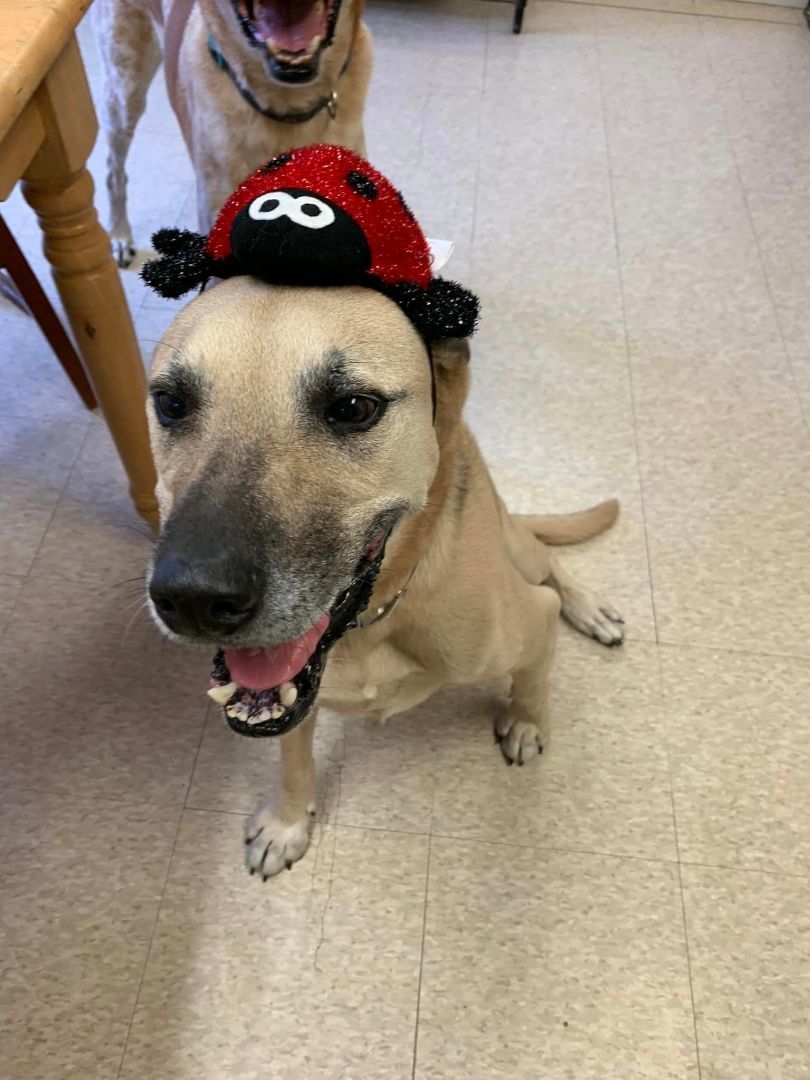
pixel 362 184
pixel 276 162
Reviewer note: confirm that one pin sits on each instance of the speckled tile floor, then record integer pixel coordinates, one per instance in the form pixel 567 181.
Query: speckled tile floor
pixel 628 190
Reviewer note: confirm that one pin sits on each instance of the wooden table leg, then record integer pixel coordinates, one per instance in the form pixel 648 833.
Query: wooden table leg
pixel 60 189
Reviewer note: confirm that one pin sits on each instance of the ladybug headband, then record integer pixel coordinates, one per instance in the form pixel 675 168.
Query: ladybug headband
pixel 318 216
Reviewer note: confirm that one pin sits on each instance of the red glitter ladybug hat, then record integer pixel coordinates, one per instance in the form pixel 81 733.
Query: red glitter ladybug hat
pixel 320 215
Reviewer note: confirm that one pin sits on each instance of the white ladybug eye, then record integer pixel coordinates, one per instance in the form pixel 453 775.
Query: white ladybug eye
pixel 304 210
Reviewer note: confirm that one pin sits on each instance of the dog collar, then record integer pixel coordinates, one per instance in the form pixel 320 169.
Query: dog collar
pixel 330 102
pixel 385 609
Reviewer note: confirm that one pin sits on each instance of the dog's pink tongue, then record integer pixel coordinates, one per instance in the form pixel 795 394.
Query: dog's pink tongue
pixel 290 24
pixel 262 669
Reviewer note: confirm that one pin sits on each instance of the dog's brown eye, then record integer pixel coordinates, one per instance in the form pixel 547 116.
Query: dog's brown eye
pixel 170 408
pixel 356 413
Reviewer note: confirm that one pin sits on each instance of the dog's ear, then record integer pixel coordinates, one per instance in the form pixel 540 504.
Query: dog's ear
pixel 183 265
pixel 451 353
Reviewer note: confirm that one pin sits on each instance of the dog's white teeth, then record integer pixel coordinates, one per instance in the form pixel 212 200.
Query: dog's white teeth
pixel 232 711
pixel 222 694
pixel 288 694
pixel 277 712
pixel 259 718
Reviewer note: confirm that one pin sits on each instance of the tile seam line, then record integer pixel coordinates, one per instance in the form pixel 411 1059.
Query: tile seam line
pixel 27 576
pixel 480 126
pixel 478 130
pixel 695 14
pixel 762 267
pixel 69 792
pixel 625 329
pixel 631 385
pixel 679 864
pixel 417 1017
pixel 159 908
pixel 726 869
pixel 685 924
pixel 726 651
pixel 700 864
pixel 687 950
pixel 544 848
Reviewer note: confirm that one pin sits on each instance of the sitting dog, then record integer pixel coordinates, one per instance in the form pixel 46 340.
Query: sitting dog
pixel 247 79
pixel 314 465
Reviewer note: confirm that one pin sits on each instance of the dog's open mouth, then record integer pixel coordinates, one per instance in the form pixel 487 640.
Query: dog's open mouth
pixel 270 691
pixel 293 33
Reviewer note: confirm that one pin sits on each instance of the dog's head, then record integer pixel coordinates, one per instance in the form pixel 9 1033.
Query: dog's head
pixel 294 34
pixel 293 431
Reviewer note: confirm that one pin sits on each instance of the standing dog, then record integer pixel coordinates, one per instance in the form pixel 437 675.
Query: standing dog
pixel 246 78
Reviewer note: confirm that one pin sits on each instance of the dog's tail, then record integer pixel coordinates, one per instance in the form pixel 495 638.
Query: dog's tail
pixel 572 528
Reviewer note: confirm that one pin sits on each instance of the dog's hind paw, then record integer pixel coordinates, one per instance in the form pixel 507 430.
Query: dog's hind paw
pixel 272 845
pixel 592 617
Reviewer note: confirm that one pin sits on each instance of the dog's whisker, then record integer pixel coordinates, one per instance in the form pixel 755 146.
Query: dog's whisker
pixel 141 579
pixel 141 530
pixel 132 621
pixel 140 599
pixel 131 594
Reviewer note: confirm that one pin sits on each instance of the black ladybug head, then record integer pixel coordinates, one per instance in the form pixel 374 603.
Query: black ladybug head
pixel 312 238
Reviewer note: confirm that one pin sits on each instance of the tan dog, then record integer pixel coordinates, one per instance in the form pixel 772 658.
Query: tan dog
pixel 287 73
pixel 291 426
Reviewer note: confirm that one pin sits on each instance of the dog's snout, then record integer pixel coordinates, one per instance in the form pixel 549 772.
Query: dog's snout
pixel 209 599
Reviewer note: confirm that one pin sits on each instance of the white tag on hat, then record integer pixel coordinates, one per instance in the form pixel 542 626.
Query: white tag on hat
pixel 440 252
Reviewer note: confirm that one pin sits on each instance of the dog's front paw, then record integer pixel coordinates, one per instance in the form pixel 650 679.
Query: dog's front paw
pixel 124 251
pixel 519 740
pixel 273 844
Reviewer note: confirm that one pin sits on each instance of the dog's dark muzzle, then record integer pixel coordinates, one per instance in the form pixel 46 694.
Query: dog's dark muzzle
pixel 265 713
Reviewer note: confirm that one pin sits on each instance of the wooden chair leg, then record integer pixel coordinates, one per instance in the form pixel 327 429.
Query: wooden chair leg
pixel 33 295
pixel 11 292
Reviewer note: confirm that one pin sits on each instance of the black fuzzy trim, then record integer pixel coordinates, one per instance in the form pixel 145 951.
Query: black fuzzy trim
pixel 183 264
pixel 444 309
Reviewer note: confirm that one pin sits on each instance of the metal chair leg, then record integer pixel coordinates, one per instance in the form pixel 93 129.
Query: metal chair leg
pixel 517 20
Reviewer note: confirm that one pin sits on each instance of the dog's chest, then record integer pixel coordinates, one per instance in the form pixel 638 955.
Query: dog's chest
pixel 378 682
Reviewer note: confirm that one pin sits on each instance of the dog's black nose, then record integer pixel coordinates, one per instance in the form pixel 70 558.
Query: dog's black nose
pixel 203 599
